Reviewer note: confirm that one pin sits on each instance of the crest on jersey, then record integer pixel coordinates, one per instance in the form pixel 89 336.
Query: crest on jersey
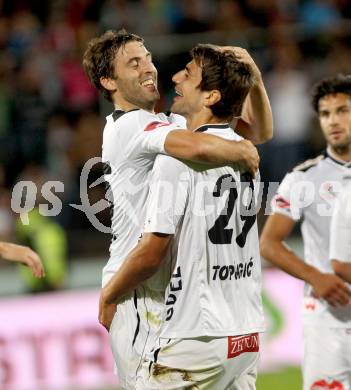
pixel 154 125
pixel 327 191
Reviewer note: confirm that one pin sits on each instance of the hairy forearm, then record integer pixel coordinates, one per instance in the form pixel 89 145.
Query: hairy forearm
pixel 202 148
pixel 342 269
pixel 256 122
pixel 215 150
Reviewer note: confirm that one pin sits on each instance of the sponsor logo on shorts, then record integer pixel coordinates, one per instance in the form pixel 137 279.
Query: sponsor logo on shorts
pixel 324 385
pixel 241 344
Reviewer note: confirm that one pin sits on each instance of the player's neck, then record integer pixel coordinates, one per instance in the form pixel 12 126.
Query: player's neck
pixel 193 122
pixel 127 106
pixel 343 154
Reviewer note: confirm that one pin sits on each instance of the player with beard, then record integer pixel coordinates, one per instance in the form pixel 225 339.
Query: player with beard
pixel 120 66
pixel 200 241
pixel 308 193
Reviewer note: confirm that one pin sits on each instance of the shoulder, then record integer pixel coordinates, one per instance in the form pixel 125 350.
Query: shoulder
pixel 168 167
pixel 308 164
pixel 177 119
pixel 136 117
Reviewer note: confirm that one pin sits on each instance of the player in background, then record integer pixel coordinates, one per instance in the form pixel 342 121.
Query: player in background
pixel 340 233
pixel 201 227
pixel 308 193
pixel 120 66
pixel 24 255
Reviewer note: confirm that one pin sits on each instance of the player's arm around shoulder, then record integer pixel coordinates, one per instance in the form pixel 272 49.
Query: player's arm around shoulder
pixel 210 149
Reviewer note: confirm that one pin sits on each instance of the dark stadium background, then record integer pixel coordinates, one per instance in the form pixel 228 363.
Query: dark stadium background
pixel 51 123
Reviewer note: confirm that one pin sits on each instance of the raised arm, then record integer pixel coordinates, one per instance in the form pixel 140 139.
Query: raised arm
pixel 256 121
pixel 327 286
pixel 207 148
pixel 24 255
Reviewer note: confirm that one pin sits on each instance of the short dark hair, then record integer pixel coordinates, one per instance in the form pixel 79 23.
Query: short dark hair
pixel 223 71
pixel 100 54
pixel 337 84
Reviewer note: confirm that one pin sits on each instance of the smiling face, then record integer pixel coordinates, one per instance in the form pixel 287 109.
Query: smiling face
pixel 334 112
pixel 135 81
pixel 189 99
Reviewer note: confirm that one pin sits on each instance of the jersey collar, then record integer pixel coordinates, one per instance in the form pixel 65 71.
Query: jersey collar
pixel 117 113
pixel 330 154
pixel 212 126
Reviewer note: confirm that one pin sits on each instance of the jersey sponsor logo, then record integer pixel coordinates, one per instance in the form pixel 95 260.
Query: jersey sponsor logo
pixel 233 271
pixel 241 344
pixel 154 125
pixel 175 285
pixel 281 202
pixel 324 385
pixel 310 304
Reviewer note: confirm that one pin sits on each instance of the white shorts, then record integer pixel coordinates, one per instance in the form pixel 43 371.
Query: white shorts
pixel 133 332
pixel 203 363
pixel 327 358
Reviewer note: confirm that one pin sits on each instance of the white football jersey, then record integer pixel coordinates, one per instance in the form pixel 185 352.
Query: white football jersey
pixel 308 193
pixel 212 266
pixel 340 231
pixel 131 141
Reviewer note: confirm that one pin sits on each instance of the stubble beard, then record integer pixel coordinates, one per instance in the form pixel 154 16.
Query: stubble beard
pixel 136 96
pixel 144 102
pixel 341 147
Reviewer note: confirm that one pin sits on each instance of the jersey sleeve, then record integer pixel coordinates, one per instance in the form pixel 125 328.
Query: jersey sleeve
pixel 340 229
pixel 291 196
pixel 168 195
pixel 153 133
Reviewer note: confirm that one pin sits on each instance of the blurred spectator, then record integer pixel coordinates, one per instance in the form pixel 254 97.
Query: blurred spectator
pixel 30 116
pixel 6 216
pixel 262 13
pixel 43 234
pixel 191 20
pixel 318 14
pixel 24 31
pixel 48 239
pixel 229 17
pixel 287 87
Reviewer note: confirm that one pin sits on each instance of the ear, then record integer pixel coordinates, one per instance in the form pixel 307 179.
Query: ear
pixel 108 83
pixel 212 97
